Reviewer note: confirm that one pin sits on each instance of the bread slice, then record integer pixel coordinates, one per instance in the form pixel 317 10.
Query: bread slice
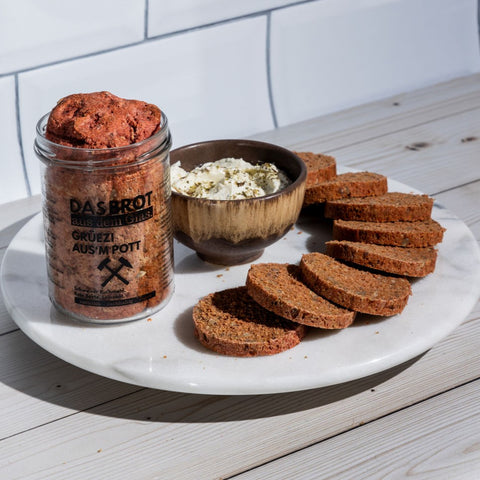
pixel 390 207
pixel 352 288
pixel 319 167
pixel 346 185
pixel 426 233
pixel 277 287
pixel 230 322
pixel 412 262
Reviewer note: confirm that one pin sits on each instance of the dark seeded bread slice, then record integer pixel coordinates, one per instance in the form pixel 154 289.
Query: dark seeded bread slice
pixel 354 289
pixel 426 233
pixel 390 207
pixel 277 287
pixel 230 322
pixel 412 262
pixel 346 185
pixel 319 167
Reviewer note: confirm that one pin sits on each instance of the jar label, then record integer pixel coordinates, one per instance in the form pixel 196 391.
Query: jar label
pixel 111 255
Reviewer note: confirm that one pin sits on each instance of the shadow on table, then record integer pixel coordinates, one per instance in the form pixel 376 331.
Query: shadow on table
pixel 193 408
pixel 44 377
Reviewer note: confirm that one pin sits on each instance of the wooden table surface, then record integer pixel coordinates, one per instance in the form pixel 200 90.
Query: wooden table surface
pixel 420 419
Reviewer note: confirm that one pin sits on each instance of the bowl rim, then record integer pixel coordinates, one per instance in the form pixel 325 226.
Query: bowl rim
pixel 289 188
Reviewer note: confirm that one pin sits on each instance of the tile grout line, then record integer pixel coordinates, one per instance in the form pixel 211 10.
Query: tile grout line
pixel 19 136
pixel 72 59
pixel 145 20
pixel 269 70
pixel 163 36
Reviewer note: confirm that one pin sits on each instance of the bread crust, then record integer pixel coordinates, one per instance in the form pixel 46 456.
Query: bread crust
pixel 390 207
pixel 412 262
pixel 347 185
pixel 230 322
pixel 319 167
pixel 426 233
pixel 352 288
pixel 277 287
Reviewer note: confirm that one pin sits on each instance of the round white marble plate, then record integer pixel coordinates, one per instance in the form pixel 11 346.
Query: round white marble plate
pixel 162 352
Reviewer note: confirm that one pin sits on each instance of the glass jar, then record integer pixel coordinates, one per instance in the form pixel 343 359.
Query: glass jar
pixel 107 226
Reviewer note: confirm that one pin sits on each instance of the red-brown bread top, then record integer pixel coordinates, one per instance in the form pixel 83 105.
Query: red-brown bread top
pixel 424 233
pixel 277 287
pixel 352 288
pixel 101 120
pixel 412 262
pixel 390 207
pixel 347 185
pixel 230 322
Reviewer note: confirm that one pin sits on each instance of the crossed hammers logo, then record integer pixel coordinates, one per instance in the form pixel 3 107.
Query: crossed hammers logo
pixel 114 272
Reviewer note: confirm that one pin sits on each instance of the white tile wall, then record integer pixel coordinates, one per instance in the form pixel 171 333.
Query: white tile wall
pixel 12 179
pixel 36 32
pixel 166 16
pixel 332 54
pixel 205 61
pixel 212 83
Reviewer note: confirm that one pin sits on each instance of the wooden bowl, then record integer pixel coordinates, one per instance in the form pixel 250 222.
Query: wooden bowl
pixel 232 232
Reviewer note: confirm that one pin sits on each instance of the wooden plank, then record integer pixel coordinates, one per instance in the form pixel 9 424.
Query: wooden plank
pixel 465 203
pixel 366 122
pixel 14 215
pixel 154 433
pixel 6 323
pixel 435 138
pixel 437 438
pixel 37 388
pixel 432 157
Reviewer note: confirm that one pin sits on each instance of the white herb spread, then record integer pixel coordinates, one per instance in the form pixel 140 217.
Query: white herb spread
pixel 228 179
